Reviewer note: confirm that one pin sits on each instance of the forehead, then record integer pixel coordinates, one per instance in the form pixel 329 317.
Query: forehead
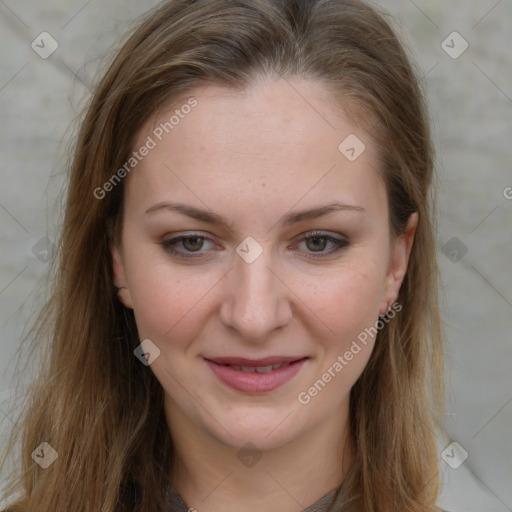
pixel 274 138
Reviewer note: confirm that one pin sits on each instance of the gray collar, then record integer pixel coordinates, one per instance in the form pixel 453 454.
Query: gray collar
pixel 178 505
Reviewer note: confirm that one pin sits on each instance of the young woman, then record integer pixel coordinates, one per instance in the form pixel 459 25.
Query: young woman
pixel 245 311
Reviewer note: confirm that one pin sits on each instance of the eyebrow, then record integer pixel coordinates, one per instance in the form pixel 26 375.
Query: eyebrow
pixel 287 219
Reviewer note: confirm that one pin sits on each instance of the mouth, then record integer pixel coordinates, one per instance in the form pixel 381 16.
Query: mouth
pixel 255 375
pixel 263 365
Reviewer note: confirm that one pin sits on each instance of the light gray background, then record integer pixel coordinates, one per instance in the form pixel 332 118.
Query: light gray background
pixel 471 105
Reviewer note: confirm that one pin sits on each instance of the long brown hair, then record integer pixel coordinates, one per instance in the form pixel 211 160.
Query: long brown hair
pixel 93 402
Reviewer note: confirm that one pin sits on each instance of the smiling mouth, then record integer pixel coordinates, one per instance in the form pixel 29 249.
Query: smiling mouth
pixel 256 376
pixel 258 369
pixel 263 365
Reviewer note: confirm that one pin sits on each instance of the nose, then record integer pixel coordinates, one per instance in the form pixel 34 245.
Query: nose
pixel 257 301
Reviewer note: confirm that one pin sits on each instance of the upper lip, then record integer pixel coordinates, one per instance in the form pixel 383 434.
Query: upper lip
pixel 266 361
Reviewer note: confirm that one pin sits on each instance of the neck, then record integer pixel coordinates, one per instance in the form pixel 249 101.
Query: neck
pixel 212 476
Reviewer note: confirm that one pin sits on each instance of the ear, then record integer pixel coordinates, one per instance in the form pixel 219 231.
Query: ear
pixel 120 276
pixel 401 251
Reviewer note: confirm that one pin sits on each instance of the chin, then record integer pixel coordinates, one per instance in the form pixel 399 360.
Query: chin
pixel 266 431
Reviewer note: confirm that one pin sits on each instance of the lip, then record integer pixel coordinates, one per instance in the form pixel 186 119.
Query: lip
pixel 242 361
pixel 255 382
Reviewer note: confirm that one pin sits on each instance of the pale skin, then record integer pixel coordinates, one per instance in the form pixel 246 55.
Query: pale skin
pixel 253 157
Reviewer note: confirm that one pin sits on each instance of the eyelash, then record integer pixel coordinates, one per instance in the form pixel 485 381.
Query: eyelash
pixel 339 244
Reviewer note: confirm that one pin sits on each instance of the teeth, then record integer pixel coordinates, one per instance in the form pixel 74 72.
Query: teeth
pixel 264 369
pixel 257 369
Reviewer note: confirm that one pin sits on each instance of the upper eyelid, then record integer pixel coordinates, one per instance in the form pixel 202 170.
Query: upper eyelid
pixel 342 239
pixel 306 234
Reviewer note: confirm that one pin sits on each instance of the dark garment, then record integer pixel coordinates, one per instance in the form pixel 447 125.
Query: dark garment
pixel 178 505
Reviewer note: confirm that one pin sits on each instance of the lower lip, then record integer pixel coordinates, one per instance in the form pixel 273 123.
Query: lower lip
pixel 255 382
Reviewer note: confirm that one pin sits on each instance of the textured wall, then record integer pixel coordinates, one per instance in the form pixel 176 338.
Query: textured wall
pixel 470 93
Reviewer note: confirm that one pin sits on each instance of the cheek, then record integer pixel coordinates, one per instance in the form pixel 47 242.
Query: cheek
pixel 347 303
pixel 348 299
pixel 166 300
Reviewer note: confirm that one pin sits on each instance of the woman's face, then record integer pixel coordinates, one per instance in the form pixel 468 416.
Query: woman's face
pixel 256 235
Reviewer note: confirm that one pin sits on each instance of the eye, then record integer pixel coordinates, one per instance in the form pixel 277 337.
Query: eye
pixel 188 246
pixel 317 245
pixel 320 244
